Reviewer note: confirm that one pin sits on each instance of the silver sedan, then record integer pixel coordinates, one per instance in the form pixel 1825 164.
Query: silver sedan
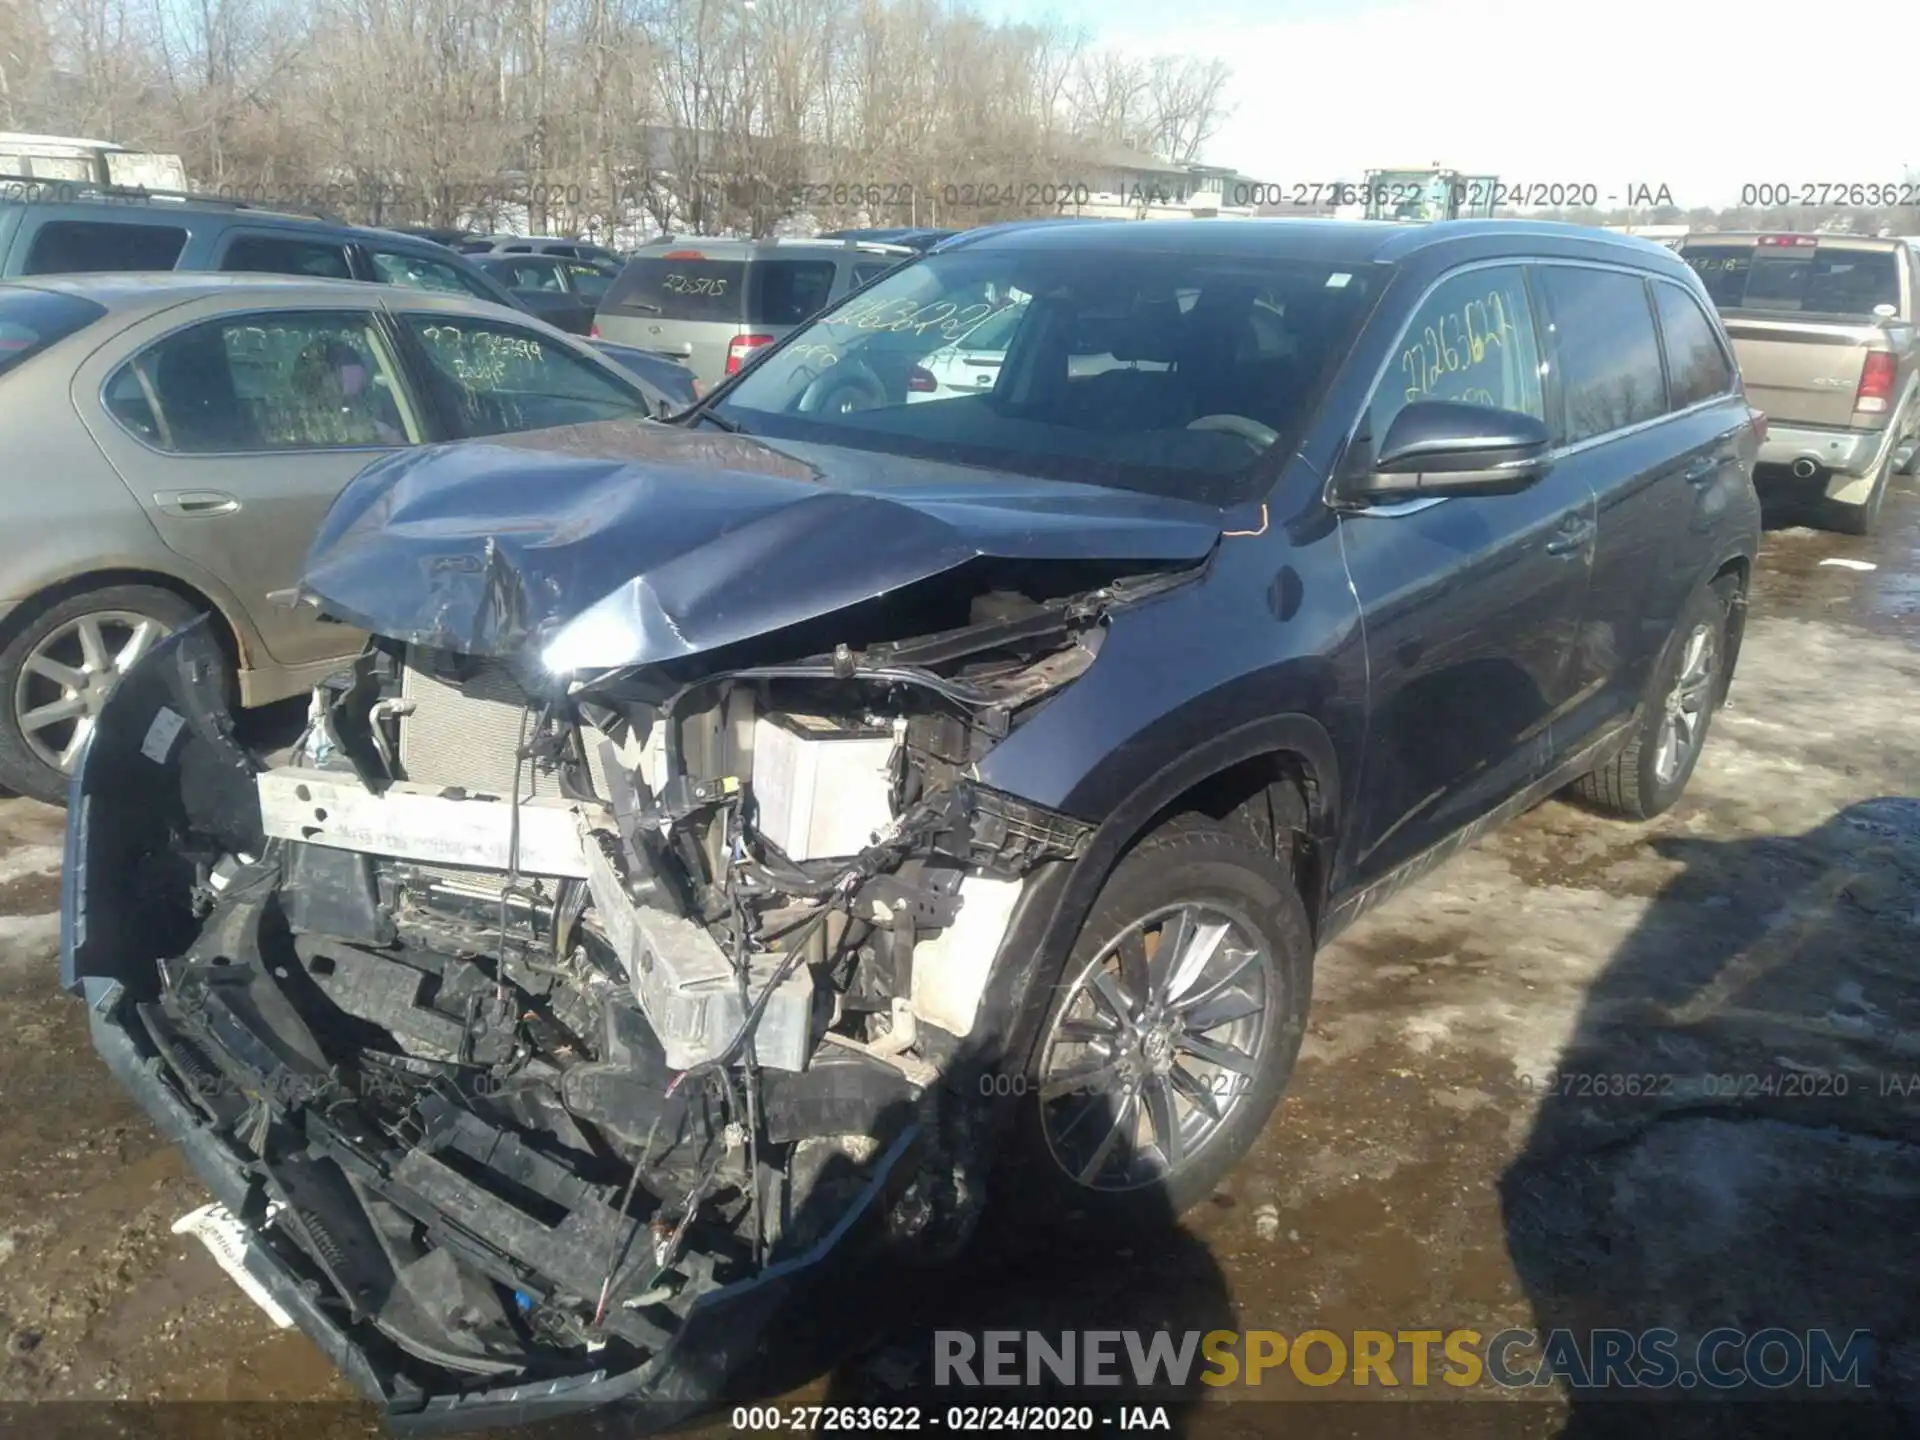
pixel 170 442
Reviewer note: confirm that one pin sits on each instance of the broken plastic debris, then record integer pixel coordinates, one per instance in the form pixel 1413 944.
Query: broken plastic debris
pixel 214 1226
pixel 1266 1221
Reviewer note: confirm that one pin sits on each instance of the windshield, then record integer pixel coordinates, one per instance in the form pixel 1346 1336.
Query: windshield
pixel 1170 373
pixel 1817 279
pixel 31 320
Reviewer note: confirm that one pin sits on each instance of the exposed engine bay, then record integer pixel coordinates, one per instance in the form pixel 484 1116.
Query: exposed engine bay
pixel 543 1008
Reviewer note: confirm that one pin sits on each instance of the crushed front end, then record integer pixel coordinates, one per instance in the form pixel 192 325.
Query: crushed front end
pixel 560 1041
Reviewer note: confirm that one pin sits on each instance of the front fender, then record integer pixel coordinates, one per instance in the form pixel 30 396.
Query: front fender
pixel 1058 898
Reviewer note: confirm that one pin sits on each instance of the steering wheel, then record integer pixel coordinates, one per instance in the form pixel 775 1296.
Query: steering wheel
pixel 1261 437
pixel 844 388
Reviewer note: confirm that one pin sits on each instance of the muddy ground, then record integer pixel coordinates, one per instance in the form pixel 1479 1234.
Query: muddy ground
pixel 1451 1154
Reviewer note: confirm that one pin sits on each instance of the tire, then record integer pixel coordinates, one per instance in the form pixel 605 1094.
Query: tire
pixel 1635 785
pixel 54 635
pixel 1223 874
pixel 1864 518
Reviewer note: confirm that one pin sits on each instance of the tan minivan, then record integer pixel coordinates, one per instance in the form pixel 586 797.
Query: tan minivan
pixel 711 304
pixel 1824 329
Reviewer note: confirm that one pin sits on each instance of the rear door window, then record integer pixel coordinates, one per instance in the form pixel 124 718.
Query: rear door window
pixel 1605 349
pixel 65 247
pixel 240 384
pixel 416 272
pixel 279 255
pixel 1697 364
pixel 31 320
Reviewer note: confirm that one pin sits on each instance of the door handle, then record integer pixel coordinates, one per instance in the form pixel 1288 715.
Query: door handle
pixel 1574 537
pixel 1705 468
pixel 196 504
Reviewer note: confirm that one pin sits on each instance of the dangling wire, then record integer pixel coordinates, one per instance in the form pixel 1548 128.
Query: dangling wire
pixel 520 754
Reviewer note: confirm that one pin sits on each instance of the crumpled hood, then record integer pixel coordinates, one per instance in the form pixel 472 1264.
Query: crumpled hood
pixel 630 542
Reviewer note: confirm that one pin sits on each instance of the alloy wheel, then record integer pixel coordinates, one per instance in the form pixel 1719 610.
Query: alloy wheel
pixel 1158 1042
pixel 67 677
pixel 1687 705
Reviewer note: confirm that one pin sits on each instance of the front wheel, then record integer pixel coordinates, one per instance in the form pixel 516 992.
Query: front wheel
pixel 58 670
pixel 1173 1031
pixel 1650 774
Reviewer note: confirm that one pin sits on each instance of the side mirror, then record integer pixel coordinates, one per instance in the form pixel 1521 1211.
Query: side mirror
pixel 1445 447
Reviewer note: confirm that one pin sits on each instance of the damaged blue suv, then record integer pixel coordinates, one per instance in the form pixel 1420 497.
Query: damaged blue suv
pixel 946 744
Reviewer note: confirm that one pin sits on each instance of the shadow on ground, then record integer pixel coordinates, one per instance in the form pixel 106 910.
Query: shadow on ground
pixel 1027 1275
pixel 1733 1137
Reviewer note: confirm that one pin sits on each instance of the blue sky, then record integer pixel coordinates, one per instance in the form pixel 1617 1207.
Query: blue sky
pixel 1685 93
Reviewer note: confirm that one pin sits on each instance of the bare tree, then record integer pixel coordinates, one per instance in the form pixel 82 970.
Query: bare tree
pixel 711 115
pixel 1187 100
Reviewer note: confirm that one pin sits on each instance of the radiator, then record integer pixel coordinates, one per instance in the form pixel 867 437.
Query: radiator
pixel 464 733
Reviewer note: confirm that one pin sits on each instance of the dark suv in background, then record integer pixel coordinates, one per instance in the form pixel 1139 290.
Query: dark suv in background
pixel 101 229
pixel 744 830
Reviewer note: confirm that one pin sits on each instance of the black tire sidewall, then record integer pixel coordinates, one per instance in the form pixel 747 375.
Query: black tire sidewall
pixel 1709 607
pixel 1194 863
pixel 20 769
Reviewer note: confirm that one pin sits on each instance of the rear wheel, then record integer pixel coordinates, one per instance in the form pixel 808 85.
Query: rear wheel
pixel 1173 1030
pixel 60 667
pixel 1687 686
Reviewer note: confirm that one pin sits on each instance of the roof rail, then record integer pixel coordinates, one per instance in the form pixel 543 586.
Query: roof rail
pixel 94 189
pixel 882 247
pixel 44 181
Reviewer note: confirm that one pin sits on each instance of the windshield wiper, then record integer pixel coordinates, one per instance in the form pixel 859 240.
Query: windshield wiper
pixel 732 427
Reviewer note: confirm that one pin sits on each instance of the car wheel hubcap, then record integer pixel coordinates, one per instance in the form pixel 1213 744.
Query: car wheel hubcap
pixel 1157 1043
pixel 67 677
pixel 1687 705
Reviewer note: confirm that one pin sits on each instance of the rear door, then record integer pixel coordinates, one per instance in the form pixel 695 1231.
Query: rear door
pixel 1651 441
pixel 237 431
pixel 1803 312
